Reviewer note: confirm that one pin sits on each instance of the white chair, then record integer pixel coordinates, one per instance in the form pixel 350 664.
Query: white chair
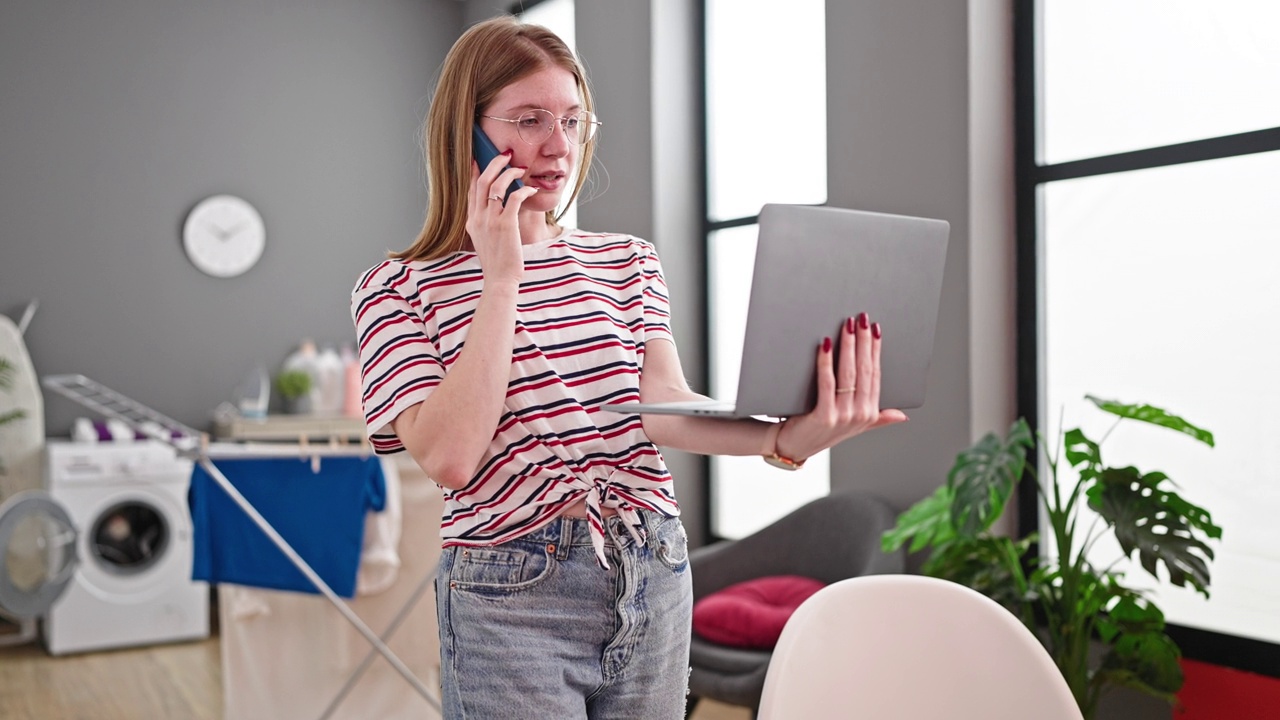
pixel 908 647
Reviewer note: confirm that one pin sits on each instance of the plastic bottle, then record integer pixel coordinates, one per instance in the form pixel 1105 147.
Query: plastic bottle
pixel 304 359
pixel 351 400
pixel 329 373
pixel 253 393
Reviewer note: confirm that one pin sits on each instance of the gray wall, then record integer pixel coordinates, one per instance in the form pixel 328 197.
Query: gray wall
pixel 992 233
pixel 897 118
pixel 118 117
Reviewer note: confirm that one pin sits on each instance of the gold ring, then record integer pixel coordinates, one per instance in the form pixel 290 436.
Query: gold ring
pixel 495 197
pixel 840 391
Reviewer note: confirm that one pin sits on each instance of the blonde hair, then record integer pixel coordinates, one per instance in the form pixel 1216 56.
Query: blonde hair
pixel 488 57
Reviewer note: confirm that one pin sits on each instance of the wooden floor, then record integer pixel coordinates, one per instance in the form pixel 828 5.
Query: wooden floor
pixel 167 681
pixel 179 681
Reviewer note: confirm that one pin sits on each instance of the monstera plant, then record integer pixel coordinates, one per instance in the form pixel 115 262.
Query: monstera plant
pixel 1067 601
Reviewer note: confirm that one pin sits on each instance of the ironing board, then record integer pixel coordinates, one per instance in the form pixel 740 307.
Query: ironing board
pixel 193 444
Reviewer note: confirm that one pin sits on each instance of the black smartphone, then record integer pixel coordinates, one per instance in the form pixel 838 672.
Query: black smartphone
pixel 485 151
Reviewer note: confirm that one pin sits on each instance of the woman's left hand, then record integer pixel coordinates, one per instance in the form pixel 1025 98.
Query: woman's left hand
pixel 848 394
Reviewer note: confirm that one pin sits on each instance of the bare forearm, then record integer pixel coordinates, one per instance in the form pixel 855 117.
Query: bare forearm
pixel 452 428
pixel 662 380
pixel 703 435
pixel 710 436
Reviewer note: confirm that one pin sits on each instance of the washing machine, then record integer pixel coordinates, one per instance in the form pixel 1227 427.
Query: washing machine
pixel 131 583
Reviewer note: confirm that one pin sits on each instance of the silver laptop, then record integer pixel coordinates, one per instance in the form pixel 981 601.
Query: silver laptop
pixel 814 268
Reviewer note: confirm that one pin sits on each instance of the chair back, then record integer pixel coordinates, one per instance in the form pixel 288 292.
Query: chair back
pixel 831 538
pixel 908 647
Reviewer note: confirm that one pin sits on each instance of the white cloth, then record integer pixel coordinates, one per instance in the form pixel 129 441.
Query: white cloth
pixel 380 559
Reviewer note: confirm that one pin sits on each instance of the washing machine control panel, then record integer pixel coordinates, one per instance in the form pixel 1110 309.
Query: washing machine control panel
pixel 73 462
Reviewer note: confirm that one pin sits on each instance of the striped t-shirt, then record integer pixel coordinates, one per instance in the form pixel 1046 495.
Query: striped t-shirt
pixel 587 305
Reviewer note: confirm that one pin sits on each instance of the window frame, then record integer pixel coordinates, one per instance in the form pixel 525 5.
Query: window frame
pixel 1247 654
pixel 710 226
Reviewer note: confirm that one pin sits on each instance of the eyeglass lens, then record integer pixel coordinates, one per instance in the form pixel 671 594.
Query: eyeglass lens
pixel 537 125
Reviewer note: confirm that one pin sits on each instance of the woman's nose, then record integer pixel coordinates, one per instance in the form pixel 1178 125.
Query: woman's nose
pixel 557 145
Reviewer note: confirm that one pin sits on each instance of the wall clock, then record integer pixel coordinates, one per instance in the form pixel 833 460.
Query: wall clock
pixel 224 236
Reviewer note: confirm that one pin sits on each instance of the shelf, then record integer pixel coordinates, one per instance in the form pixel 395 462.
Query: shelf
pixel 291 427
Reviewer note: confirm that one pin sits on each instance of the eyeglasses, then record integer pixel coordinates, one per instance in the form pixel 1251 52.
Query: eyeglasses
pixel 535 126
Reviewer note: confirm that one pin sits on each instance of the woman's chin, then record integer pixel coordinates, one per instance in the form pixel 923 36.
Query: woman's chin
pixel 542 202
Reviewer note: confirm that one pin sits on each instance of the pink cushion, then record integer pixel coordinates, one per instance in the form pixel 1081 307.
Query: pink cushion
pixel 751 614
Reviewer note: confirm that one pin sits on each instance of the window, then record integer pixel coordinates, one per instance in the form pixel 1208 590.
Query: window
pixel 1147 175
pixel 766 142
pixel 1146 73
pixel 557 16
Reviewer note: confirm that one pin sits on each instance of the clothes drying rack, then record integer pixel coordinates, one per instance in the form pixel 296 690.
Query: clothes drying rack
pixel 194 445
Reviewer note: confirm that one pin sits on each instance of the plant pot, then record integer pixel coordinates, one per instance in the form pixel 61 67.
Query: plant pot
pixel 1127 704
pixel 298 405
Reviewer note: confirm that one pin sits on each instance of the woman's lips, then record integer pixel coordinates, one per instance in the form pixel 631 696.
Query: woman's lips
pixel 553 181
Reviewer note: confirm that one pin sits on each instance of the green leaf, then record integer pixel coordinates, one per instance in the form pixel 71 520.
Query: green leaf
pixel 1133 614
pixel 984 476
pixel 1083 453
pixel 1157 523
pixel 11 416
pixel 1148 662
pixel 928 521
pixel 990 565
pixel 1153 415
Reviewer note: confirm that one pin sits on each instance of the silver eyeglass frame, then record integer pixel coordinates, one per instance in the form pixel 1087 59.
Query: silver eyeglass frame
pixel 594 122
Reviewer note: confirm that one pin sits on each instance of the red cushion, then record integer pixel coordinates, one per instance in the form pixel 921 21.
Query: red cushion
pixel 751 614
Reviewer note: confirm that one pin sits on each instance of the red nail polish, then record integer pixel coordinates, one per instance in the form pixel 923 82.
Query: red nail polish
pixel 875 330
pixel 506 152
pixel 863 320
pixel 849 325
pixel 826 344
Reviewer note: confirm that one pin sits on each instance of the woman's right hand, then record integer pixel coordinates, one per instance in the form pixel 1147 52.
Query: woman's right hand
pixel 495 229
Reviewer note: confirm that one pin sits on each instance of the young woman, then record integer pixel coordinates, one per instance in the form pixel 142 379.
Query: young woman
pixel 487 349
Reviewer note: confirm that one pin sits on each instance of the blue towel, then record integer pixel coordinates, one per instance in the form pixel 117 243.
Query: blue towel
pixel 321 515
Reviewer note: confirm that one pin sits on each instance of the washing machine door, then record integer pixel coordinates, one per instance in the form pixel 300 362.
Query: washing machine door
pixel 37 553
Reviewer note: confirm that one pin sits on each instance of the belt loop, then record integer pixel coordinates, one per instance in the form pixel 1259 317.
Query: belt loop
pixel 566 538
pixel 649 521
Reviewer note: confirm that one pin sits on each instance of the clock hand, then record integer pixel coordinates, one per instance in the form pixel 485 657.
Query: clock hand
pixel 217 230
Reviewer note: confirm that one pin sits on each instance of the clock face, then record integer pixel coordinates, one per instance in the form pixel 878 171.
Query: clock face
pixel 224 236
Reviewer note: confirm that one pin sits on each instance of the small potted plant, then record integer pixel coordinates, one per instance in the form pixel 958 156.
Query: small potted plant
pixel 294 387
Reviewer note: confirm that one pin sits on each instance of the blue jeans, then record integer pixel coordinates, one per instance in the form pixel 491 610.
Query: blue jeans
pixel 535 628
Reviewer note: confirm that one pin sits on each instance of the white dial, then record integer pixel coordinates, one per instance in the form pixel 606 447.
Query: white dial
pixel 224 236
